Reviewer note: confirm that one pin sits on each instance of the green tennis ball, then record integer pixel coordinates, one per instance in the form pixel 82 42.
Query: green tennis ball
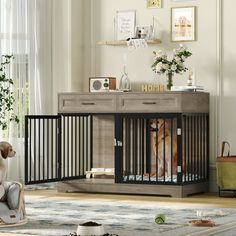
pixel 160 219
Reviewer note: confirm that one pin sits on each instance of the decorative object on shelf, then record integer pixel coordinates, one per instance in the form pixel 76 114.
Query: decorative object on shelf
pixel 144 32
pixel 134 44
pixel 162 65
pixel 102 84
pixel 191 80
pixel 154 3
pixel 169 81
pixel 153 87
pixel 125 24
pixel 125 84
pixel 183 24
pixel 187 88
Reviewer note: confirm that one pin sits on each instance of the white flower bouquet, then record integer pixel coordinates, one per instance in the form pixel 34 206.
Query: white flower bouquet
pixel 162 65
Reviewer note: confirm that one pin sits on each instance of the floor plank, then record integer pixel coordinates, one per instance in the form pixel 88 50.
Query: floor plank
pixel 201 200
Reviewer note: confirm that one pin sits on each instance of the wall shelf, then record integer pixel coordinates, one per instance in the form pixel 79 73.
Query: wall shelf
pixel 124 42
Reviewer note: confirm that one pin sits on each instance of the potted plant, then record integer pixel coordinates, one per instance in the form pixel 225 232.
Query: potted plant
pixel 163 65
pixel 6 94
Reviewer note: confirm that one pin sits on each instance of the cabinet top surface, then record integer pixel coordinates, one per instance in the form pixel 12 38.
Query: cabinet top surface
pixel 134 93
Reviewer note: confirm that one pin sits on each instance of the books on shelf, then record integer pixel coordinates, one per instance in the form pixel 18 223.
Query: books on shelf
pixel 187 88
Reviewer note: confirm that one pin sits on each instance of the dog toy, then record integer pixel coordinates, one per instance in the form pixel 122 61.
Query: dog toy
pixel 160 219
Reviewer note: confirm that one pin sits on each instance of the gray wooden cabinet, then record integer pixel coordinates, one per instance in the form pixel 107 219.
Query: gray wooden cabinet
pixel 113 113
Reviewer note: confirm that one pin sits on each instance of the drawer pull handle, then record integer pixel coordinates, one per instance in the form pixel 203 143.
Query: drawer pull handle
pixel 149 103
pixel 88 103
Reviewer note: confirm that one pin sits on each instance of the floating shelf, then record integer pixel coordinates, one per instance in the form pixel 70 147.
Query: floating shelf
pixel 124 42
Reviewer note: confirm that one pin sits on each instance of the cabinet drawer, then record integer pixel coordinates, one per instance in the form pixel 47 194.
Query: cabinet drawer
pixel 87 103
pixel 149 103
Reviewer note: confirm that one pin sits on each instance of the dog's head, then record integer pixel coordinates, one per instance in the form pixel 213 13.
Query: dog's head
pixel 6 150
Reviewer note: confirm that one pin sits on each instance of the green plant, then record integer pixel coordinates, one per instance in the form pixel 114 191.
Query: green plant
pixel 162 65
pixel 6 94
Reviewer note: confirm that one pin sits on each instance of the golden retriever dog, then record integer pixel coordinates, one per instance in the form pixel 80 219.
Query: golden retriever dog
pixel 6 151
pixel 160 143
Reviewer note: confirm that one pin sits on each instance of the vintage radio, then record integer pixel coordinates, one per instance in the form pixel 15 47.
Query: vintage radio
pixel 102 84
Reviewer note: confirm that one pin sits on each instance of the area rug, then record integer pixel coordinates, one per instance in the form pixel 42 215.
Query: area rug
pixel 61 217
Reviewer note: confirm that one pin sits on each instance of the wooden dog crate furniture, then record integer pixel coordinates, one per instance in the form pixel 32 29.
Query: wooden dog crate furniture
pixel 157 143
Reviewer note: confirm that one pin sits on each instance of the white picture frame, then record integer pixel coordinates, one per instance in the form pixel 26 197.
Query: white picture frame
pixel 183 24
pixel 144 31
pixel 125 24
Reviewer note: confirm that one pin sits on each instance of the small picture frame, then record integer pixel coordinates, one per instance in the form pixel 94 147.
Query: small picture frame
pixel 183 24
pixel 125 24
pixel 154 3
pixel 143 31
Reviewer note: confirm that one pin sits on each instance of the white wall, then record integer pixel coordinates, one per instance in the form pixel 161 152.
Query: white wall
pixel 109 59
pixel 79 24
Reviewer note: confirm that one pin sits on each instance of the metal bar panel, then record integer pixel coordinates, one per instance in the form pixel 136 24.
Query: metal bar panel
pixel 52 147
pixel 48 135
pixel 35 163
pixel 40 163
pixel 80 159
pixel 91 141
pixel 76 138
pixel 171 150
pixel 64 147
pixel 26 149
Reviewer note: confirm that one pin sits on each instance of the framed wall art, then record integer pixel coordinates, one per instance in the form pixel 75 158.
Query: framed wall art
pixel 154 3
pixel 125 21
pixel 183 23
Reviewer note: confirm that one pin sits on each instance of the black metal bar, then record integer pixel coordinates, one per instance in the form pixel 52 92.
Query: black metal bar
pixel 76 135
pixel 179 151
pixel 135 146
pixel 52 147
pixel 48 148
pixel 91 141
pixel 204 147
pixel 83 145
pixel 156 147
pixel 39 156
pixel 43 120
pixel 148 146
pixel 79 132
pixel 171 151
pixel 59 149
pixel 196 145
pixel 201 157
pixel 208 148
pixel 128 154
pixel 191 133
pixel 185 147
pixel 72 147
pixel 194 148
pixel 35 165
pixel 142 146
pixel 64 147
pixel 164 149
pixel 118 149
pixel 26 150
pixel 68 144
pixel 30 156
pixel 87 143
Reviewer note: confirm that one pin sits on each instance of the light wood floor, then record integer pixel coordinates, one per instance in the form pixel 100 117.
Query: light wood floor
pixel 201 200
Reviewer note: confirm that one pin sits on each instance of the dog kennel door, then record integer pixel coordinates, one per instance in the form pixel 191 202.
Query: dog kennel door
pixel 57 147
